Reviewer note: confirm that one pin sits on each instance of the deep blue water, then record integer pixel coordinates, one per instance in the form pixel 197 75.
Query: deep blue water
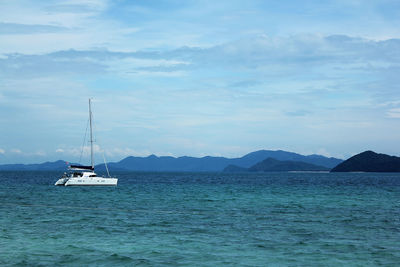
pixel 202 219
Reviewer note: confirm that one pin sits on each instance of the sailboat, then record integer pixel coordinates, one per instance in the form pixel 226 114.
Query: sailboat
pixel 85 175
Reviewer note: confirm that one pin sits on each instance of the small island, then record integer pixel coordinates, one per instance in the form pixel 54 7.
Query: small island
pixel 369 161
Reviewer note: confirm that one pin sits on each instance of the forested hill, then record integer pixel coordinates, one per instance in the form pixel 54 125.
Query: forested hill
pixel 369 161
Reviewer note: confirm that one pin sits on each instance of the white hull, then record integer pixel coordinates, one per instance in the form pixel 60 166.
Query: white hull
pixel 61 181
pixel 86 179
pixel 92 181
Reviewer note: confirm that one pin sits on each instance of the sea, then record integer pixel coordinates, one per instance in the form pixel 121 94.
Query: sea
pixel 202 219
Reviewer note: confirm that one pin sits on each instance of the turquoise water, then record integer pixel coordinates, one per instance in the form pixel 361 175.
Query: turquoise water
pixel 202 219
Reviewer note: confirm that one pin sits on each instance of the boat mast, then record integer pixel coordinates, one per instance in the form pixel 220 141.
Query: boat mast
pixel 91 135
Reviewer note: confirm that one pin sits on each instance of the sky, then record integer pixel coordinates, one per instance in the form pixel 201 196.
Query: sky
pixel 197 78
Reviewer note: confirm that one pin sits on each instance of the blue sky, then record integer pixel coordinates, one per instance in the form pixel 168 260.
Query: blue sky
pixel 198 78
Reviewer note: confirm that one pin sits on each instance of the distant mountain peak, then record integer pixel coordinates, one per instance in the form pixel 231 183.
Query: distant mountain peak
pixel 369 161
pixel 369 152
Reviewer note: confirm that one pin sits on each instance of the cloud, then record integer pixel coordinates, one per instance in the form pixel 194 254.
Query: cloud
pixel 84 151
pixel 248 87
pixel 88 7
pixel 255 54
pixel 52 12
pixel 298 113
pixel 393 113
pixel 15 28
pixel 19 152
pixel 53 25
pixel 245 83
pixel 116 152
pixel 16 151
pixel 2 151
pixel 40 153
pixel 296 75
pixel 144 25
pixel 231 69
pixel 44 65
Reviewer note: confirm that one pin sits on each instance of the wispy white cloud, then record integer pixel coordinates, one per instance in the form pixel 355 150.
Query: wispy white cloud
pixel 67 14
pixel 393 113
pixel 15 28
pixel 16 151
pixel 42 27
pixel 117 152
pixel 198 78
pixel 270 56
pixel 40 153
pixel 78 151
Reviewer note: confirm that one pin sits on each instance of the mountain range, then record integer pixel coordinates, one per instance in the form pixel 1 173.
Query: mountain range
pixel 213 164
pixel 274 165
pixel 187 164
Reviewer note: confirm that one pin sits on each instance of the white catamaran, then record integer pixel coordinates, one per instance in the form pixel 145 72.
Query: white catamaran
pixel 85 175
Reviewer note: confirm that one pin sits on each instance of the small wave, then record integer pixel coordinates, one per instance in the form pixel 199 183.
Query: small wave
pixel 81 249
pixel 117 258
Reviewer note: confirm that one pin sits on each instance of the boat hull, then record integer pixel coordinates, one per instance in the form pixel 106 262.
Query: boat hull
pixel 92 181
pixel 61 181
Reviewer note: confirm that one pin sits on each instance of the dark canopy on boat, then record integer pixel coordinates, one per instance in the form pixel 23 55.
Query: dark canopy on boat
pixel 81 167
